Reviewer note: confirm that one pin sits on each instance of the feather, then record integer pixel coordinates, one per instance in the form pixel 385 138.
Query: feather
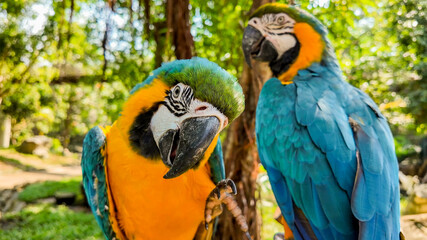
pixel 216 163
pixel 314 148
pixel 94 179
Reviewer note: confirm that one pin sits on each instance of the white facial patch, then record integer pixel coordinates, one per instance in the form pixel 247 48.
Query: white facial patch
pixel 162 121
pixel 282 43
pixel 278 29
pixel 204 109
pixel 181 105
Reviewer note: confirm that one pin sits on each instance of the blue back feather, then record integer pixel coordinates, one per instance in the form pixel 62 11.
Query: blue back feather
pixel 307 145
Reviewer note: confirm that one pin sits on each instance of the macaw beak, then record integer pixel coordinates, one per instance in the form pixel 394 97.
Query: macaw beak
pixel 182 149
pixel 255 45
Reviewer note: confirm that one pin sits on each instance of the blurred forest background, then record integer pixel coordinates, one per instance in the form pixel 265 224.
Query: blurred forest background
pixel 66 66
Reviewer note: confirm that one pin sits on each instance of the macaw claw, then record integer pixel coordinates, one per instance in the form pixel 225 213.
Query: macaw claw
pixel 227 186
pixel 213 206
pixel 223 193
pixel 217 192
pixel 232 185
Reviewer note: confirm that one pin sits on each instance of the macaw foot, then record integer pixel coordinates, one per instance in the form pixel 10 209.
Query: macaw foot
pixel 223 190
pixel 223 193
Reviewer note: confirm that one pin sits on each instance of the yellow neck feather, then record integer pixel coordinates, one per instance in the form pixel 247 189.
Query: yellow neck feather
pixel 141 100
pixel 311 51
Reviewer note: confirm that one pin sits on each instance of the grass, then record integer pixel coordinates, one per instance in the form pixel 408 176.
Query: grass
pixel 50 188
pixel 17 164
pixel 41 221
pixel 403 205
pixel 46 222
pixel 37 162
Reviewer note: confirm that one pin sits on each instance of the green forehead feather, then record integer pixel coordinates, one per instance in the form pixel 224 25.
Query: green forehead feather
pixel 297 14
pixel 210 83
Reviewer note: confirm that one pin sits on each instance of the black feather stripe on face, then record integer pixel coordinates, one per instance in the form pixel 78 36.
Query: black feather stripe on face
pixel 140 135
pixel 282 64
pixel 179 105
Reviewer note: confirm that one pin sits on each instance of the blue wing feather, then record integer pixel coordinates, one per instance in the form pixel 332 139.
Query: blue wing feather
pixel 305 138
pixel 216 162
pixel 94 179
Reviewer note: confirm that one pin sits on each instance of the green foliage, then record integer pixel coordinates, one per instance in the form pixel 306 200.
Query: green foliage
pixel 24 102
pixel 217 29
pixel 49 188
pixel 52 80
pixel 86 106
pixel 20 45
pixel 408 19
pixel 56 146
pixel 44 222
pixel 404 147
pixel 17 164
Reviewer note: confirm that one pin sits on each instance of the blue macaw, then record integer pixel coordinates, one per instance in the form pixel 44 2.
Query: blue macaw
pixel 152 174
pixel 328 150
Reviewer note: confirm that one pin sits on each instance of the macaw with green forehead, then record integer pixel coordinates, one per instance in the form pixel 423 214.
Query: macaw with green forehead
pixel 327 149
pixel 150 174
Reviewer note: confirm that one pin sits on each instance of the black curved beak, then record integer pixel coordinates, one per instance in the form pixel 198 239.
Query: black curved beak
pixel 256 46
pixel 183 149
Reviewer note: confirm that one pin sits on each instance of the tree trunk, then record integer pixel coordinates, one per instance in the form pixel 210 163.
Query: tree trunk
pixel 68 122
pixel 160 30
pixel 178 20
pixel 5 130
pixel 241 157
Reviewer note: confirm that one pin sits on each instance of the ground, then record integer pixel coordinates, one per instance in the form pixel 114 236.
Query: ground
pixel 29 190
pixel 17 168
pixel 42 219
pixel 414 227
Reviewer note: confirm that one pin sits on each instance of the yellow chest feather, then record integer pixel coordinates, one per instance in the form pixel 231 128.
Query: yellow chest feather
pixel 148 206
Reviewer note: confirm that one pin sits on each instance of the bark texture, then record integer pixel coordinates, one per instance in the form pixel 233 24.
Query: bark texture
pixel 241 156
pixel 159 34
pixel 178 20
pixel 5 130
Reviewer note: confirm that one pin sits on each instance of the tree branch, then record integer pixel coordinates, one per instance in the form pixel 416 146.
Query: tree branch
pixel 85 79
pixel 179 20
pixel 147 17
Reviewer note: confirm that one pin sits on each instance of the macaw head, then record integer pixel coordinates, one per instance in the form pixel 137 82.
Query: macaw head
pixel 177 113
pixel 280 40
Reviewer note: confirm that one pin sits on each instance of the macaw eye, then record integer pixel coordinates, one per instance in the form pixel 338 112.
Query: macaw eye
pixel 176 92
pixel 280 20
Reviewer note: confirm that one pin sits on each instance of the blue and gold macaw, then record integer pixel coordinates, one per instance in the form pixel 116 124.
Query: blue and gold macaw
pixel 327 149
pixel 150 174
